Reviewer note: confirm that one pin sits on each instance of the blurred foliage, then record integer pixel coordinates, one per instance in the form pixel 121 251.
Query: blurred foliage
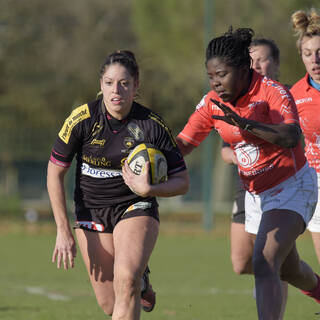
pixel 51 53
pixel 170 42
pixel 11 207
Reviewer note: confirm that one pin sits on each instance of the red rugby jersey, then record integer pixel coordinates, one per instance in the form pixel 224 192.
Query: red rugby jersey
pixel 307 100
pixel 261 164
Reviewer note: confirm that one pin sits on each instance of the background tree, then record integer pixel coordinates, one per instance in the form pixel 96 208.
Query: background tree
pixel 51 52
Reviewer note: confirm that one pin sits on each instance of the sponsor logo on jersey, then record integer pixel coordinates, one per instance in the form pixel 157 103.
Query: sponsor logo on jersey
pixel 247 154
pixel 254 104
pixel 77 115
pixel 135 131
pixel 303 100
pixel 98 142
pixel 97 161
pixel 270 83
pixel 99 173
pixel 255 172
pixel 96 129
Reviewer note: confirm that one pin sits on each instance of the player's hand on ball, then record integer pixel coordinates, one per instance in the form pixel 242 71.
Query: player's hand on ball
pixel 139 184
pixel 65 250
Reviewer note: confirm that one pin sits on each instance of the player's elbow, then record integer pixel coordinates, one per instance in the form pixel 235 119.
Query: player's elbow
pixel 292 137
pixel 185 186
pixel 290 141
pixel 184 182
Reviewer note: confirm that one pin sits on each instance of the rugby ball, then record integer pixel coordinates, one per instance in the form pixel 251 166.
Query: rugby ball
pixel 146 152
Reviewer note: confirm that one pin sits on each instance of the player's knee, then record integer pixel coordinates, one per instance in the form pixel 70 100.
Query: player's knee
pixel 241 266
pixel 240 269
pixel 290 274
pixel 126 284
pixel 106 306
pixel 263 267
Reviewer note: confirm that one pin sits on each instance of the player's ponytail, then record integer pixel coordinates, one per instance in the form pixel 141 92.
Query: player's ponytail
pixel 305 24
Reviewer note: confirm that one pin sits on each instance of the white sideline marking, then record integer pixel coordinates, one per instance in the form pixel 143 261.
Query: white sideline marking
pixel 51 295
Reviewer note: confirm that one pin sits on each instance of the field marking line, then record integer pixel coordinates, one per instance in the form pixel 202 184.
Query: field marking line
pixel 43 292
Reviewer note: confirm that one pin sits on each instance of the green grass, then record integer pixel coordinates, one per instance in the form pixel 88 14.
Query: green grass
pixel 190 270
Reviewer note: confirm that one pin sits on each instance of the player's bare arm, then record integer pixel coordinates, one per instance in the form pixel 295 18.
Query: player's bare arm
pixel 284 135
pixel 65 248
pixel 177 184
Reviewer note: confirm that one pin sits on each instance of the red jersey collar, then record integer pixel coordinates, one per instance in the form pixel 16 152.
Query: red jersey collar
pixel 255 81
pixel 305 83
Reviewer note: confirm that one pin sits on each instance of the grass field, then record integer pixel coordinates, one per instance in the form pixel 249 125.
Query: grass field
pixel 191 272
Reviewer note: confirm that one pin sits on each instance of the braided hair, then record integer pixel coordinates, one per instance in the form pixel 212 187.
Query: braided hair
pixel 125 58
pixel 232 47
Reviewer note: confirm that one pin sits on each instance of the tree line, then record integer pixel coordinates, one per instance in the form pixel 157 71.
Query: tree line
pixel 51 53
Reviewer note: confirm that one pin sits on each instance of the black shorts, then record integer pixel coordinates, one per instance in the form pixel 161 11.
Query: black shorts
pixel 105 219
pixel 238 211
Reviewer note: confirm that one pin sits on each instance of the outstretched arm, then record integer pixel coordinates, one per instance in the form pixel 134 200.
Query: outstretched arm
pixel 284 135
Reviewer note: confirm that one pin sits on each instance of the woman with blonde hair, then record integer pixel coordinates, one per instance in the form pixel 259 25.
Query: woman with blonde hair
pixel 306 93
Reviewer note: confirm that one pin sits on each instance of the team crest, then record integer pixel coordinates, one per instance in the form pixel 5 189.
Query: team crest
pixel 247 154
pixel 128 142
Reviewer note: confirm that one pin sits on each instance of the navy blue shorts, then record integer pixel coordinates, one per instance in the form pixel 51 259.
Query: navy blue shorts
pixel 238 211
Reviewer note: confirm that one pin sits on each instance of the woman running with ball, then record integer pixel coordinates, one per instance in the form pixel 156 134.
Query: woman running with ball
pixel 117 219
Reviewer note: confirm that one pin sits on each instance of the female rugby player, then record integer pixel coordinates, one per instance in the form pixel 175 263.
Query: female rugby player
pixel 306 93
pixel 257 116
pixel 116 211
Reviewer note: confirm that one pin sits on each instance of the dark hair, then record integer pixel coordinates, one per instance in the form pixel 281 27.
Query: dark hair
pixel 275 52
pixel 124 57
pixel 233 47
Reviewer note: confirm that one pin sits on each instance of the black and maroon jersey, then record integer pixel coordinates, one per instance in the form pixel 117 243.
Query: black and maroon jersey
pixel 101 145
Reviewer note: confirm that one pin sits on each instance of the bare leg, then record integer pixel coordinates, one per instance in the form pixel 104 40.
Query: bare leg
pixel 98 255
pixel 316 243
pixel 242 244
pixel 134 240
pixel 275 241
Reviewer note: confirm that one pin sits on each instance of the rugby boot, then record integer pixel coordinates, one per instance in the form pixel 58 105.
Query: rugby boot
pixel 148 296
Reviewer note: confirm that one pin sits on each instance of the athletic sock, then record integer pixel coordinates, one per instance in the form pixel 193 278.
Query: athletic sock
pixel 143 284
pixel 315 293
